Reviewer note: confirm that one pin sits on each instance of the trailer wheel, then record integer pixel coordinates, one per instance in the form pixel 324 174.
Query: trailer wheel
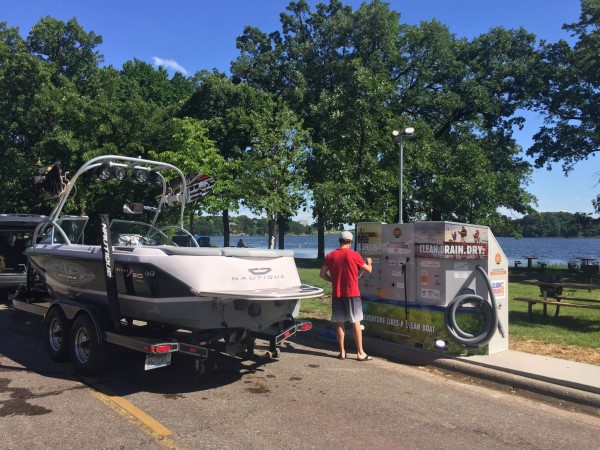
pixel 57 328
pixel 88 355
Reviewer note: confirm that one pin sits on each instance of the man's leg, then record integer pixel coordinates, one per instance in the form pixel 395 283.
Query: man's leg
pixel 357 333
pixel 341 335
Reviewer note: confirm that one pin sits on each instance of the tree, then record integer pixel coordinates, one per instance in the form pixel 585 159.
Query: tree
pixel 555 224
pixel 192 152
pixel 355 76
pixel 332 67
pixel 273 165
pixel 154 85
pixel 225 109
pixel 66 46
pixel 258 138
pixel 466 96
pixel 570 99
pixel 57 105
pixel 43 107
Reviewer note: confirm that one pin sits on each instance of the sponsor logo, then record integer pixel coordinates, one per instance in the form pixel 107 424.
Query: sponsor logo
pixel 452 250
pixel 260 271
pixel 69 273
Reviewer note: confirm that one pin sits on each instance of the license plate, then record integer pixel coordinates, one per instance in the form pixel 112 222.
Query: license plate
pixel 156 361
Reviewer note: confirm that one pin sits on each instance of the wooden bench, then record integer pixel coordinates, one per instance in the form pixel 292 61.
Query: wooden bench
pixel 517 264
pixel 558 303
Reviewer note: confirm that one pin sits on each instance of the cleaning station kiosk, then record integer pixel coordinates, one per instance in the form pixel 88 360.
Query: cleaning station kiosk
pixel 440 286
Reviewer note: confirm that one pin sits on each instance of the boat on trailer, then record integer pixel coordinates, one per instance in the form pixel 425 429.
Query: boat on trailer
pixel 138 273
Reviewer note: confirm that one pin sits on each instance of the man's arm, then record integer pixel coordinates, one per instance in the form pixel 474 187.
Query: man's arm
pixel 325 273
pixel 368 266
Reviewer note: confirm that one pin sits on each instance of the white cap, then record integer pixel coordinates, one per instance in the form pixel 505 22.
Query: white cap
pixel 346 235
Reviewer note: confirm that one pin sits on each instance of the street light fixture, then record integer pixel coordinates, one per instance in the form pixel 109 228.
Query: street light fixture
pixel 406 133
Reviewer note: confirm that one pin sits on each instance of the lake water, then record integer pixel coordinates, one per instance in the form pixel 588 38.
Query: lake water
pixel 549 250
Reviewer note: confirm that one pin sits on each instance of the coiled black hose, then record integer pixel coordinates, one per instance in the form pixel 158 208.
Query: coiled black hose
pixel 490 312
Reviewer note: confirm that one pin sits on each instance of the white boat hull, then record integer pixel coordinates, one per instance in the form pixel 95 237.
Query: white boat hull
pixel 187 287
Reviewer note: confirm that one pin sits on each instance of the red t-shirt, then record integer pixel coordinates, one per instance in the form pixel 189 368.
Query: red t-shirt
pixel 343 265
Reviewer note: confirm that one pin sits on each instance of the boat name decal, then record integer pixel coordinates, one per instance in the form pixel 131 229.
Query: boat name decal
pixel 257 277
pixel 131 272
pixel 106 250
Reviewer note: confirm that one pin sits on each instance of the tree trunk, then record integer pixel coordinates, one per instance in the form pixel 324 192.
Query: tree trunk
pixel 192 215
pixel 281 221
pixel 225 228
pixel 320 240
pixel 271 225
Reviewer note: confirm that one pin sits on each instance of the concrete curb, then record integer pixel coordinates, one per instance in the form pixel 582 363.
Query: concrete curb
pixel 522 384
pixel 499 377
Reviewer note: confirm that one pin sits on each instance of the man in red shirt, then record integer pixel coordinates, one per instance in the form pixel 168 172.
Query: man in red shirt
pixel 341 268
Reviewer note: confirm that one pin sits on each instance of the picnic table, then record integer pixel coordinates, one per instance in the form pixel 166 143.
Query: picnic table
pixel 588 267
pixel 551 294
pixel 530 259
pixel 585 260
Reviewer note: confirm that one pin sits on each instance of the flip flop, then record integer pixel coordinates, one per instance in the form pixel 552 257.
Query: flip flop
pixel 341 357
pixel 366 358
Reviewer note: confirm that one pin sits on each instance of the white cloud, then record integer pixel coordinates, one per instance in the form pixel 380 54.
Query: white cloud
pixel 169 64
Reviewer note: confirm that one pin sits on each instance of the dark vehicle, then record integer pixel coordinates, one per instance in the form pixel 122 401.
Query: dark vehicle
pixel 16 231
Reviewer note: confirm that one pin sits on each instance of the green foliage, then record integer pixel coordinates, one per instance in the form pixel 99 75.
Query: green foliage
pixel 273 164
pixel 243 225
pixel 66 46
pixel 554 224
pixel 354 76
pixel 570 96
pixel 307 115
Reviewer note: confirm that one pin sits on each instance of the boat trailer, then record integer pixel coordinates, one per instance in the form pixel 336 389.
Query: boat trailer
pixel 81 333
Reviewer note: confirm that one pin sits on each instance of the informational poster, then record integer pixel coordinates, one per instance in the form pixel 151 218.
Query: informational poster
pixel 412 325
pixel 368 244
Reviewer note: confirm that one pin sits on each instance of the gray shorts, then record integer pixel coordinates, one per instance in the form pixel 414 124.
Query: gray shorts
pixel 346 309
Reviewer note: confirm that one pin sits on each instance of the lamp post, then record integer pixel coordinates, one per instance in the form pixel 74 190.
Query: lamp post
pixel 405 133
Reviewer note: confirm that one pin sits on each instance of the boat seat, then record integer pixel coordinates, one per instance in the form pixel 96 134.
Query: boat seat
pixel 256 252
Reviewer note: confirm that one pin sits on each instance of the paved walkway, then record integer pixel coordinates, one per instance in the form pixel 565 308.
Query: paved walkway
pixel 568 381
pixel 585 377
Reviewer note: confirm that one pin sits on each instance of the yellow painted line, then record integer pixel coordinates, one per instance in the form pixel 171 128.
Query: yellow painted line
pixel 138 417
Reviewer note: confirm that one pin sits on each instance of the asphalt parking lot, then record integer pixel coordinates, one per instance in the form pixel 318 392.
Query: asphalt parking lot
pixel 306 399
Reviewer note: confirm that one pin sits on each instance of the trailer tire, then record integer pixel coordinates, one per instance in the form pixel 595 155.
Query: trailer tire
pixel 88 354
pixel 57 329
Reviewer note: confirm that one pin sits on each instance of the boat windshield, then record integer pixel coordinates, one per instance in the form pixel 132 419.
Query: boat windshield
pixel 66 230
pixel 128 233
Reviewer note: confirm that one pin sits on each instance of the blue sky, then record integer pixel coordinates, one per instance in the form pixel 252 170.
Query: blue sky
pixel 190 35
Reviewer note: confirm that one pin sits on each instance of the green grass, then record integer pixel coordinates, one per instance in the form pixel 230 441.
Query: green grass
pixel 315 308
pixel 574 326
